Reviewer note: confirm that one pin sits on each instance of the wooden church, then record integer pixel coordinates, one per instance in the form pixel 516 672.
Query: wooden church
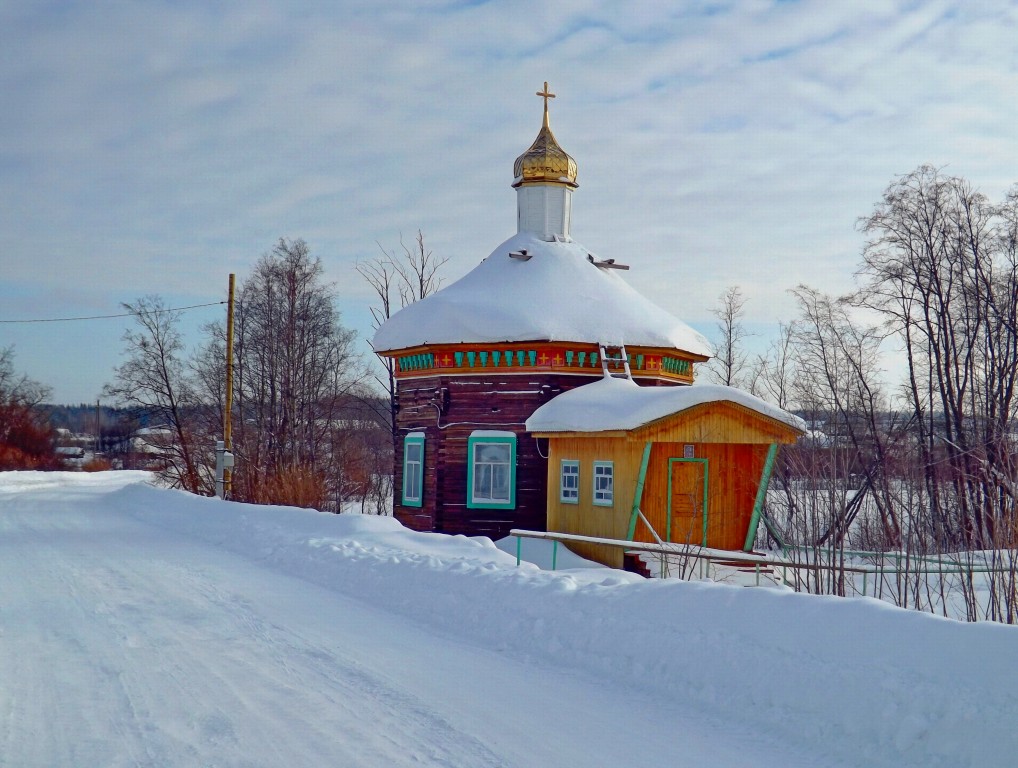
pixel 538 318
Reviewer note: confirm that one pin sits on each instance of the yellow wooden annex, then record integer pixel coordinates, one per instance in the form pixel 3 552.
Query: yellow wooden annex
pixel 691 462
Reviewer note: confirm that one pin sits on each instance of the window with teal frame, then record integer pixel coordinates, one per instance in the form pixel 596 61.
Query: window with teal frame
pixel 604 483
pixel 491 470
pixel 569 482
pixel 413 469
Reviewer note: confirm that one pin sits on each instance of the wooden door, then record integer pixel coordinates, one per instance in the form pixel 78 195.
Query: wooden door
pixel 687 500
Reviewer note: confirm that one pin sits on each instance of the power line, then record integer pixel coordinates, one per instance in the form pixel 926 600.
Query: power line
pixel 122 314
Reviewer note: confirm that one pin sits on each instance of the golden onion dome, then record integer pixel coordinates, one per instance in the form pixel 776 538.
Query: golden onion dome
pixel 545 161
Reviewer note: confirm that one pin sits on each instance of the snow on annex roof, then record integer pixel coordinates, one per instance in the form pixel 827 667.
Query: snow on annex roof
pixel 621 404
pixel 555 295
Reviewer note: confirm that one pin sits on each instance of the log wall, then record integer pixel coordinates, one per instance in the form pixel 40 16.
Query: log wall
pixel 447 409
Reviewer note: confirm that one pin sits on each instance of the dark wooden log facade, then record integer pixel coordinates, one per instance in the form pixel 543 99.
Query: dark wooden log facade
pixel 447 409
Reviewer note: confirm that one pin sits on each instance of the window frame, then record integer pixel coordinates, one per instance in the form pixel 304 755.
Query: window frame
pixel 610 500
pixel 413 439
pixel 571 464
pixel 490 437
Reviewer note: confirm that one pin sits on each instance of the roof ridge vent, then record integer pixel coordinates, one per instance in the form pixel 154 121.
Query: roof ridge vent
pixel 605 263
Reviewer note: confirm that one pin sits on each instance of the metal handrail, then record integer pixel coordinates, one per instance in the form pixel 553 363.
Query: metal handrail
pixel 708 554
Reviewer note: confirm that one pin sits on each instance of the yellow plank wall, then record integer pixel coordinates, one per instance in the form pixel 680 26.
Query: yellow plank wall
pixel 584 518
pixel 716 423
pixel 734 441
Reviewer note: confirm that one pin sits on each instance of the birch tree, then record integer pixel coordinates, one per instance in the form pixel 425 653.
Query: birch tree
pixel 153 379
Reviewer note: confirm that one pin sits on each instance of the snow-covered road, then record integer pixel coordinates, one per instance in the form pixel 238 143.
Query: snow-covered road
pixel 125 644
pixel 144 627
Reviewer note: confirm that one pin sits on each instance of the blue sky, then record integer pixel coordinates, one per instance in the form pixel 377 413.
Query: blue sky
pixel 155 147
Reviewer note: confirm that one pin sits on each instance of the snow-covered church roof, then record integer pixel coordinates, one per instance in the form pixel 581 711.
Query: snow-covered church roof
pixel 621 404
pixel 550 290
pixel 557 294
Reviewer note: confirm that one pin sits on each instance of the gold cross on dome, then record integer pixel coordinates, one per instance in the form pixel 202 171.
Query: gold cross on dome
pixel 546 95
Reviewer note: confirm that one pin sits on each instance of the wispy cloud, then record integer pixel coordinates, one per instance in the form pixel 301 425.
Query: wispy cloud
pixel 156 147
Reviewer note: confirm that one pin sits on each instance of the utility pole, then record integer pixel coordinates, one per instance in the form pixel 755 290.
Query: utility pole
pixel 228 413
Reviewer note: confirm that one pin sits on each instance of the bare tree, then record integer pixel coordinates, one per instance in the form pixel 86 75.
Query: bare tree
pixel 412 275
pixel 294 367
pixel 838 376
pixel 727 366
pixel 26 439
pixel 153 378
pixel 941 268
pixel 772 373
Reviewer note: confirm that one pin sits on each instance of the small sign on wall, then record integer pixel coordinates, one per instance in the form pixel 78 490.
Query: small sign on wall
pixel 688 452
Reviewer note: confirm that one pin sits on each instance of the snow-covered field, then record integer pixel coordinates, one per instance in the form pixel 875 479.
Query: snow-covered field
pixel 146 627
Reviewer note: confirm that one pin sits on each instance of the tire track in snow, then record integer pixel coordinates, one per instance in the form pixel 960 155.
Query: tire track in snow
pixel 177 668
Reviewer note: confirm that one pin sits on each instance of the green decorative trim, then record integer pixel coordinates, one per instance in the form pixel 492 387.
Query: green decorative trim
pixel 674 365
pixel 761 495
pixel 499 358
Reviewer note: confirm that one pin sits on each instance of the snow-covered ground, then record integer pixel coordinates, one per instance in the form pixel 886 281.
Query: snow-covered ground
pixel 146 627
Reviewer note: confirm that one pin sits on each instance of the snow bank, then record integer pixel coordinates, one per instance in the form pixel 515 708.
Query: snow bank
pixel 854 681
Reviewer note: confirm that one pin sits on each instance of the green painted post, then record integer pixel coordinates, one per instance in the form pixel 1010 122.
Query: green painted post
pixel 519 544
pixel 668 506
pixel 761 495
pixel 638 494
pixel 706 482
pixel 554 553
